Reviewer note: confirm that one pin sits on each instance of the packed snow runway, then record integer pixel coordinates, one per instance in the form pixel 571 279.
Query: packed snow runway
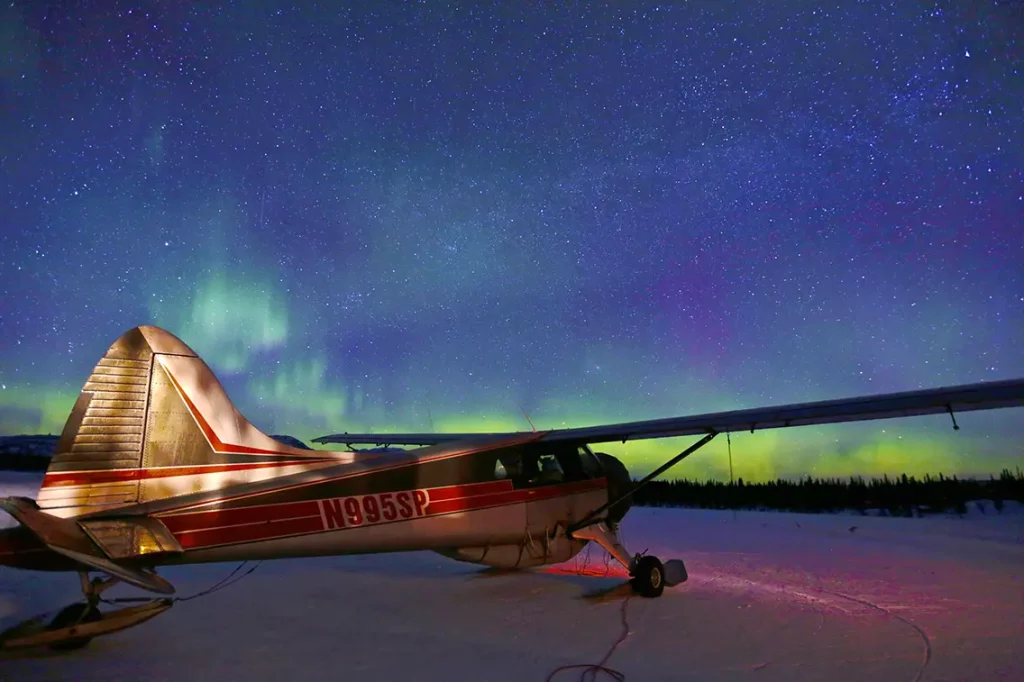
pixel 770 597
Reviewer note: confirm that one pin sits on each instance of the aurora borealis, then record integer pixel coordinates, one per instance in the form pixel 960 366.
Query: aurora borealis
pixel 418 217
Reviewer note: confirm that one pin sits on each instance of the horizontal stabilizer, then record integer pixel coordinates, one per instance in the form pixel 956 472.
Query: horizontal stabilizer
pixel 132 576
pixel 68 538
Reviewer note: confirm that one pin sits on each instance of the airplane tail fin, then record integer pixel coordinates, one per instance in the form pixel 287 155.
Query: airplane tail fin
pixel 152 422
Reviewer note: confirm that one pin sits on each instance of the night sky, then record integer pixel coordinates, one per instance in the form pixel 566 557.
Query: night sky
pixel 414 217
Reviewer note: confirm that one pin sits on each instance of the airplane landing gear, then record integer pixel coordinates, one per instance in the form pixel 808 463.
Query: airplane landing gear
pixel 649 576
pixel 70 617
pixel 77 624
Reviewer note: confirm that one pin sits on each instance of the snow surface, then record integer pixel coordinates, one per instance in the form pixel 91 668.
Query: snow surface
pixel 17 484
pixel 771 596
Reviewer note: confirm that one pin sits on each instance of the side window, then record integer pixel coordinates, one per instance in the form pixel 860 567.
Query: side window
pixel 509 465
pixel 549 470
pixel 571 465
pixel 547 464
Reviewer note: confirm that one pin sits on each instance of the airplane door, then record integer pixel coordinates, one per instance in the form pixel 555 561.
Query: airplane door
pixel 548 470
pixel 508 521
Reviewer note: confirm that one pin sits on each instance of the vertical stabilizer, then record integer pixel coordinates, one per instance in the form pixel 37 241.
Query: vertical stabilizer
pixel 153 422
pixel 106 428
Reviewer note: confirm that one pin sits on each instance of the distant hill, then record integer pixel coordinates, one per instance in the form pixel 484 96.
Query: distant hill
pixel 26 452
pixel 28 444
pixel 291 440
pixel 33 452
pixel 900 496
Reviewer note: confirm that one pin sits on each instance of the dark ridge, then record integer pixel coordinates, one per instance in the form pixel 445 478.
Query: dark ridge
pixel 292 441
pixel 26 452
pixel 901 496
pixel 33 452
pixel 32 444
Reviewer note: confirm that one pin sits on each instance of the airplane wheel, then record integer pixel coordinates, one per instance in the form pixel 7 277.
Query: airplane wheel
pixel 69 616
pixel 649 577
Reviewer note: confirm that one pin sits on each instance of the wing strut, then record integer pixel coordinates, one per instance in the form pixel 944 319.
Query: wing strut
pixel 589 518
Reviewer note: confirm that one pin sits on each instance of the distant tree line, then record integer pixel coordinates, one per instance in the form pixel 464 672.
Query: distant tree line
pixel 26 452
pixel 33 452
pixel 901 496
pixel 20 461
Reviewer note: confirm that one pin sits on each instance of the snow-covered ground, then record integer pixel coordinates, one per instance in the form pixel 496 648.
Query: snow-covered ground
pixel 771 596
pixel 17 484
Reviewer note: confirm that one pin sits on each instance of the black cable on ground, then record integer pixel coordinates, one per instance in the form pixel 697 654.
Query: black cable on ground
pixel 219 585
pixel 223 583
pixel 590 670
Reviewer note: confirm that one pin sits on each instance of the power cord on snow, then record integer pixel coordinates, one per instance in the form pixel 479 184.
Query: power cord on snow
pixel 221 584
pixel 582 563
pixel 590 670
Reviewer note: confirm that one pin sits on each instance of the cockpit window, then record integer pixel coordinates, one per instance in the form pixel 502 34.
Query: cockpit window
pixel 550 471
pixel 508 465
pixel 546 464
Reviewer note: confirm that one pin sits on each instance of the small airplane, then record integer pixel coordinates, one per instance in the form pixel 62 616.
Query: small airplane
pixel 156 467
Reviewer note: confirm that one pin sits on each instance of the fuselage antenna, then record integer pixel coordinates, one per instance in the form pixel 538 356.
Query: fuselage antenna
pixel 528 419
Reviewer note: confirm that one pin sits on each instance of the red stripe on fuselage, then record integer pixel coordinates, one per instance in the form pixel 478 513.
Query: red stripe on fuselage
pixel 250 533
pixel 217 518
pixel 449 492
pixel 197 530
pixel 101 476
pixel 513 497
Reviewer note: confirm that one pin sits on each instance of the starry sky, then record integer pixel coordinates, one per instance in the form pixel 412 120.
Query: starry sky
pixel 412 216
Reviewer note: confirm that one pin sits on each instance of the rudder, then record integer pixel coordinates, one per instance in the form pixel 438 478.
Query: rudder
pixel 152 421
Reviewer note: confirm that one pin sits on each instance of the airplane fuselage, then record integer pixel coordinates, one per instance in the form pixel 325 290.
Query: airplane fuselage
pixel 506 507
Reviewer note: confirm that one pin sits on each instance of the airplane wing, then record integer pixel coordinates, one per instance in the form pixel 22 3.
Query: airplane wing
pixel 947 400
pixel 385 439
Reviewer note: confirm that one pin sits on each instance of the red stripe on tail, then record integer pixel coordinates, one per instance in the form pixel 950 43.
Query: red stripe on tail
pixel 100 476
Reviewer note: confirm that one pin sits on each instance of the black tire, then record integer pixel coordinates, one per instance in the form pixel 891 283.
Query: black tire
pixel 73 615
pixel 649 577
